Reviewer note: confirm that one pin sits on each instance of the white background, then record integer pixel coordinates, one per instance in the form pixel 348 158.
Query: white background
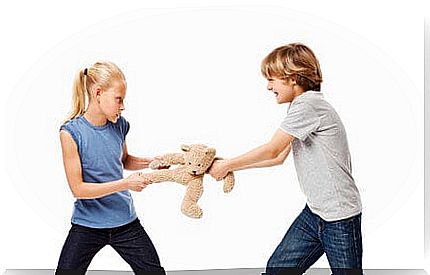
pixel 175 55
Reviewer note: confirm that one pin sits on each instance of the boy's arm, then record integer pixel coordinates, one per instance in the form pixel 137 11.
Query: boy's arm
pixel 85 190
pixel 271 162
pixel 266 152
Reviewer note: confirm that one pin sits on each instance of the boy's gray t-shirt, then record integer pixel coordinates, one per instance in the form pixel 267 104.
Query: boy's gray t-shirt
pixel 321 157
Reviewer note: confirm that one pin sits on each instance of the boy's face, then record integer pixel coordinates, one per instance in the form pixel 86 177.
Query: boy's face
pixel 283 89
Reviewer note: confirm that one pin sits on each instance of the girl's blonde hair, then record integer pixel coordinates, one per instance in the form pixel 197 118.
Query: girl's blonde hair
pixel 100 74
pixel 294 60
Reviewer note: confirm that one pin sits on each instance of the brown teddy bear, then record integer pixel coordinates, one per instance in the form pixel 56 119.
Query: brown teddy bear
pixel 193 163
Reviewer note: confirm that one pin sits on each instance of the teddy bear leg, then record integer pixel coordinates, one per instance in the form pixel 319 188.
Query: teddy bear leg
pixel 228 182
pixel 192 195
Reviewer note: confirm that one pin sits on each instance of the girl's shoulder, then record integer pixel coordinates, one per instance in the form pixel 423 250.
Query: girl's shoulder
pixel 123 126
pixel 71 124
pixel 73 128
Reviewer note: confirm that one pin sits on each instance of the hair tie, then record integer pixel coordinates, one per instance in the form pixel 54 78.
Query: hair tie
pixel 86 71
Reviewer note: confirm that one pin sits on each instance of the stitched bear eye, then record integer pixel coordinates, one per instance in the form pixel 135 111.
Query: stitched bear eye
pixel 200 165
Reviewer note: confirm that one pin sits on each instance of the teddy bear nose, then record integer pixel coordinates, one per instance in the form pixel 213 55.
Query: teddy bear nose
pixel 194 172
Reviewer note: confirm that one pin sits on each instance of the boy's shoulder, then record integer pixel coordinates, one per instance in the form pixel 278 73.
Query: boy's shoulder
pixel 309 98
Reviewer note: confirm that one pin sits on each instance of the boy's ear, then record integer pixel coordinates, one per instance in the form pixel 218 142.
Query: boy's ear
pixel 293 79
pixel 185 148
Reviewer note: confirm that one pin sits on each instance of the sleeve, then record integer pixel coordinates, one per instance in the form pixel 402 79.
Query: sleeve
pixel 301 120
pixel 124 127
pixel 68 127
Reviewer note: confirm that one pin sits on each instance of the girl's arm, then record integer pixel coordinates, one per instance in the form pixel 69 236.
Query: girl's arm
pixel 85 190
pixel 134 163
pixel 265 152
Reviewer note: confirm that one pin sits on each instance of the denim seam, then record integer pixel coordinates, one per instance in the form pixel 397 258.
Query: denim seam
pixel 354 235
pixel 308 257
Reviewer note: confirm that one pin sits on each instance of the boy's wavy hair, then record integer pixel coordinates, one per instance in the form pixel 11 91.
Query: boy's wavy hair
pixel 294 60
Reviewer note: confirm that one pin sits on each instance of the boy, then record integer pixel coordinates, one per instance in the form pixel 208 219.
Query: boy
pixel 330 223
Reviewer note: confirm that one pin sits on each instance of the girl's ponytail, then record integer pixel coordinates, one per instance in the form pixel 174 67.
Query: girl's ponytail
pixel 78 95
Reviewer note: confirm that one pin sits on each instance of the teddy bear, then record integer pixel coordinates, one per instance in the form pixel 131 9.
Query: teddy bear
pixel 194 161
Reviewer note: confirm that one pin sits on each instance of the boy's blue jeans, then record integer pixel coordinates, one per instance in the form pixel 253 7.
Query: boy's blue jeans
pixel 309 237
pixel 130 241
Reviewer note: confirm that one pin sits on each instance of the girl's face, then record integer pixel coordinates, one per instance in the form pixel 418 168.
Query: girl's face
pixel 283 89
pixel 111 100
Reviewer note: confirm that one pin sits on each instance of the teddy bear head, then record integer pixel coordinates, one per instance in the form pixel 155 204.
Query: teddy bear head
pixel 198 158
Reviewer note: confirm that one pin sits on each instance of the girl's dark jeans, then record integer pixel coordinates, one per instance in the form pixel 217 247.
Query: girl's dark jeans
pixel 130 241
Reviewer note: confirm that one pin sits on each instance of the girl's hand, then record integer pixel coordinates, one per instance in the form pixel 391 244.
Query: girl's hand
pixel 219 169
pixel 136 182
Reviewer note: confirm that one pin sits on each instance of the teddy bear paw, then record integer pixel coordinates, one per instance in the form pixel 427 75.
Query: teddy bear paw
pixel 228 182
pixel 228 187
pixel 157 164
pixel 193 211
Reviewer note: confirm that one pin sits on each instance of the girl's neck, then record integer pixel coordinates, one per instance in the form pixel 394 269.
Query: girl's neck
pixel 95 117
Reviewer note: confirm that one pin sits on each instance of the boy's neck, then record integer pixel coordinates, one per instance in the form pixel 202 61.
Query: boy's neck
pixel 297 91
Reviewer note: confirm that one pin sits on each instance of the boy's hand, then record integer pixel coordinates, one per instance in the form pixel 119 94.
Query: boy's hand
pixel 219 169
pixel 136 182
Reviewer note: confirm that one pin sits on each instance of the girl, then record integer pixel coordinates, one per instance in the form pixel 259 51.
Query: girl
pixel 94 155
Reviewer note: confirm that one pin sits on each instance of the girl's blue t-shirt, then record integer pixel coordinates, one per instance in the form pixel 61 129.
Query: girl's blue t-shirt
pixel 101 149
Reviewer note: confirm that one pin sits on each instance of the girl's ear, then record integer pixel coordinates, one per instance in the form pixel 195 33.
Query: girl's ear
pixel 97 91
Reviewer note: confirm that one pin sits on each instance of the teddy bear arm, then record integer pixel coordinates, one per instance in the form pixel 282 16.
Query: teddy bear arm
pixel 175 158
pixel 228 182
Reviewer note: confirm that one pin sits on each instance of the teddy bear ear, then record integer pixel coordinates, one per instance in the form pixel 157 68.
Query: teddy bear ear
pixel 211 151
pixel 185 148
